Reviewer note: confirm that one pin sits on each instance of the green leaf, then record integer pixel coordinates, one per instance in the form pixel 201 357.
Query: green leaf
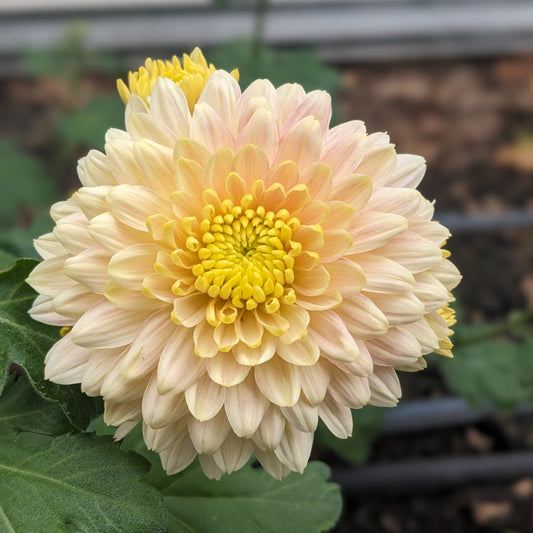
pixel 26 342
pixel 52 480
pixel 6 260
pixel 367 425
pixel 500 372
pixel 251 500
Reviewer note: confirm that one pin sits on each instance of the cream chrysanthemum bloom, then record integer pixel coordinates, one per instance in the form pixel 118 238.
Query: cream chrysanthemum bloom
pixel 232 275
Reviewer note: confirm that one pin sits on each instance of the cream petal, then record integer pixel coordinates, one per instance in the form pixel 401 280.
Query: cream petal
pixel 290 95
pixel 65 362
pixel 73 302
pixel 210 468
pixel 352 391
pixel 431 292
pixel 405 202
pixel 302 143
pixel 169 105
pixel 399 308
pixel 316 104
pixel 160 410
pixel 446 272
pixel 329 300
pixel 204 398
pixel 225 370
pixel 105 326
pixel 424 334
pixel 397 347
pixel 117 413
pixel 315 381
pixel 143 355
pixel 261 130
pixel 112 235
pixel 157 164
pixel 302 416
pixel 318 180
pixel 117 388
pixel 128 267
pixel 274 323
pixel 279 381
pixel 300 353
pixel 311 282
pixel 204 343
pixel 362 317
pixel 298 319
pixel 129 299
pixel 94 170
pixel 91 200
pixel 379 161
pixel 355 189
pixel 178 456
pixel 272 464
pixel 271 429
pixel 346 276
pixel 160 438
pixel 99 366
pixel 336 244
pixel 255 356
pixel 190 309
pixel 430 230
pixel 178 367
pixel 233 454
pixel 344 148
pixel 245 407
pixel 329 332
pixel 385 387
pixel 124 167
pixel 208 128
pixel 42 310
pixel 48 246
pixel 409 171
pixel 373 230
pixel 124 429
pixel 260 93
pixel 337 417
pixel 384 275
pixel 208 436
pixel 144 126
pixel 251 163
pixel 89 268
pixel 225 337
pixel 63 209
pixel 73 234
pixel 295 448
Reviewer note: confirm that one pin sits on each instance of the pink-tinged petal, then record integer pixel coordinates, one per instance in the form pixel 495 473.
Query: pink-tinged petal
pixel 178 456
pixel 302 416
pixel 336 244
pixel 270 432
pixel 161 438
pixel 329 300
pixel 122 164
pixel 310 237
pixel 318 180
pixel 105 326
pixel 90 268
pixel 72 233
pixel 132 205
pixel 344 148
pixel 100 364
pixel 412 251
pixel 385 387
pixel 424 334
pixel 208 128
pixel 251 163
pixel 299 353
pixel 233 454
pixel 178 367
pixel 48 246
pixel 302 143
pixel 295 448
pixel 91 200
pixel 373 230
pixel 272 464
pixel 261 130
pixel 337 417
pixel 273 197
pixel 447 273
pixel 316 104
pixel 315 381
pixel 346 276
pixel 298 319
pixel 409 171
pixel 168 104
pixel 329 332
pixel 208 436
pixel 285 174
pixel 399 308
pixel 117 413
pixel 143 355
pixel 190 309
pixel 245 355
pixel 145 126
pixel 355 190
pixel 43 311
pixel 384 275
pixel 379 160
pixel 431 292
pixel 130 266
pixel 217 169
pixel 189 177
pixel 73 302
pixel 112 235
pixel 118 388
pixel 291 95
pixel 157 164
pixel 362 317
pixel 49 278
pixel 279 381
pixel 160 410
pixel 406 202
pixel 312 282
pixel 194 150
pixel 235 187
pixel 245 407
pixel 204 398
pixel 65 362
pixel 347 389
pixel 297 197
pixel 340 215
pixel 397 347
pixel 225 370
pixel 94 170
pixel 221 92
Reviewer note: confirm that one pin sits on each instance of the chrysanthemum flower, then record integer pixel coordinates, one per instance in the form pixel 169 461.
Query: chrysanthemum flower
pixel 227 277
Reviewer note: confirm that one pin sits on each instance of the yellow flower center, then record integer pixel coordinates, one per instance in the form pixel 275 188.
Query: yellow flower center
pixel 246 255
pixel 191 77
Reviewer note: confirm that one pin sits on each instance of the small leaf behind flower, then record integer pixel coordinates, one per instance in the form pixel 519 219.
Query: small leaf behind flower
pixel 26 342
pixel 53 480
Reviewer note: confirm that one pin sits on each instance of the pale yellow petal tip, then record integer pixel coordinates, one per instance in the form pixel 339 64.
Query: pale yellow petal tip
pixel 190 74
